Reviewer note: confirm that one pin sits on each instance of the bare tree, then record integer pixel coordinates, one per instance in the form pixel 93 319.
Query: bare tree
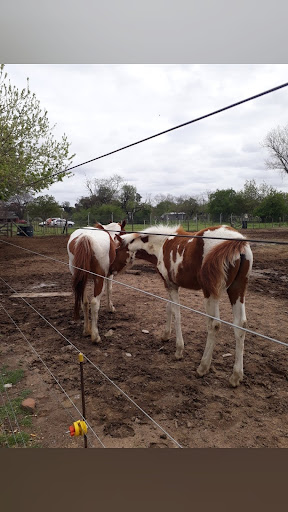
pixel 105 189
pixel 276 141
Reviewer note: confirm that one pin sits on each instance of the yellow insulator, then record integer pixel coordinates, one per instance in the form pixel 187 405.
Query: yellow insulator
pixel 79 428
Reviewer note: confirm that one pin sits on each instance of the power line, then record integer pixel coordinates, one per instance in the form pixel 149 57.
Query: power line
pixel 278 87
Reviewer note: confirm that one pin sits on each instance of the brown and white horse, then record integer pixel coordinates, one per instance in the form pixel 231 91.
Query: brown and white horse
pixel 93 250
pixel 204 262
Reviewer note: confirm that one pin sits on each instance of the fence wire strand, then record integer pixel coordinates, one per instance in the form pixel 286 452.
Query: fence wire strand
pixel 94 365
pixel 47 368
pixel 150 294
pixel 9 421
pixel 14 414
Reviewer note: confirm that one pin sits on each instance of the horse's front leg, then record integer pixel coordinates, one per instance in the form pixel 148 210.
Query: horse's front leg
pixel 175 308
pixel 167 332
pixel 109 284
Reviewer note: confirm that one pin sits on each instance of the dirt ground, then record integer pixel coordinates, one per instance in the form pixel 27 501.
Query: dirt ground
pixel 195 412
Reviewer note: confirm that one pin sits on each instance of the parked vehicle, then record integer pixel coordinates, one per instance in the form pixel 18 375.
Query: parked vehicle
pixel 56 221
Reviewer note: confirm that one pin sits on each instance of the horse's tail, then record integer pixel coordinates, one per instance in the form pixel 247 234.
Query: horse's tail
pixel 214 271
pixel 82 262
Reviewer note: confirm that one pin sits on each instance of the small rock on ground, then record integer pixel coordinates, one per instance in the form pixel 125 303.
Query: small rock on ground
pixel 29 404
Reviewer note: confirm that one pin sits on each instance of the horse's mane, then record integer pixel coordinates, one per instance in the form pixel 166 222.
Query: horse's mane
pixel 162 229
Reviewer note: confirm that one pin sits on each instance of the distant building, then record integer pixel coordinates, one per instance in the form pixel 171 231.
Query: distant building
pixel 173 216
pixel 8 216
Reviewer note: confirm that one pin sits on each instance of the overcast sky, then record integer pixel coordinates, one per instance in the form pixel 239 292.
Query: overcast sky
pixel 104 107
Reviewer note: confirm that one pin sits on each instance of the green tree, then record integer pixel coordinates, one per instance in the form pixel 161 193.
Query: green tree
pixel 130 200
pixel 144 213
pixel 104 190
pixel 67 207
pixel 252 195
pixel 223 202
pixel 108 213
pixel 273 206
pixel 29 154
pixel 44 207
pixel 189 205
pixel 85 203
pixel 164 204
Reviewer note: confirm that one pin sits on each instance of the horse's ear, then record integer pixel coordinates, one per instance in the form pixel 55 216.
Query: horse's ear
pixel 123 224
pixel 118 240
pixel 98 225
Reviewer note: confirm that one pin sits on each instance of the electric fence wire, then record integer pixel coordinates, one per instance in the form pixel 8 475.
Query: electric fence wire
pixel 207 237
pixel 93 364
pixel 59 402
pixel 14 414
pixel 201 313
pixel 230 324
pixel 48 369
pixel 7 415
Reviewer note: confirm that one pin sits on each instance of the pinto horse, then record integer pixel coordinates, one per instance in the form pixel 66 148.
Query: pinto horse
pixel 204 261
pixel 93 250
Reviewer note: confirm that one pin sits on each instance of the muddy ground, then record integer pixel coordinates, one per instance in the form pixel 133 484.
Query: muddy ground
pixel 195 412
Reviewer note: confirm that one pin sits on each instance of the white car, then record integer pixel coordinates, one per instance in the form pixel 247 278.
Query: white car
pixel 56 221
pixel 62 222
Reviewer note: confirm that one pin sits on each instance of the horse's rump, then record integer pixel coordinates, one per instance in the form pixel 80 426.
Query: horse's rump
pixel 221 266
pixel 82 260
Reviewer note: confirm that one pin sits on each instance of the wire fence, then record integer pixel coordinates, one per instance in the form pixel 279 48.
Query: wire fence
pixel 194 223
pixel 96 367
pixel 88 360
pixel 197 221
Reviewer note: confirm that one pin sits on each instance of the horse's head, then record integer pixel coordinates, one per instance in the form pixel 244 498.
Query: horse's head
pixel 114 228
pixel 123 258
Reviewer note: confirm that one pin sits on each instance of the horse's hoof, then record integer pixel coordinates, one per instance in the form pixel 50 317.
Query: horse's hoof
pixel 96 340
pixel 201 370
pixel 179 355
pixel 235 380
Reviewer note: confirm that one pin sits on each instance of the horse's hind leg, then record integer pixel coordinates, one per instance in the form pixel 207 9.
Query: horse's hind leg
pixel 109 284
pixel 213 326
pixel 85 307
pixel 236 293
pixel 239 319
pixel 95 305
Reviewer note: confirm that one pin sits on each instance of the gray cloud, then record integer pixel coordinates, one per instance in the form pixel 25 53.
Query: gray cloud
pixel 104 107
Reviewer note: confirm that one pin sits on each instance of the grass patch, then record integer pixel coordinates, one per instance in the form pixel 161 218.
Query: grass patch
pixel 13 408
pixel 12 440
pixel 10 376
pixel 8 412
pixel 13 418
